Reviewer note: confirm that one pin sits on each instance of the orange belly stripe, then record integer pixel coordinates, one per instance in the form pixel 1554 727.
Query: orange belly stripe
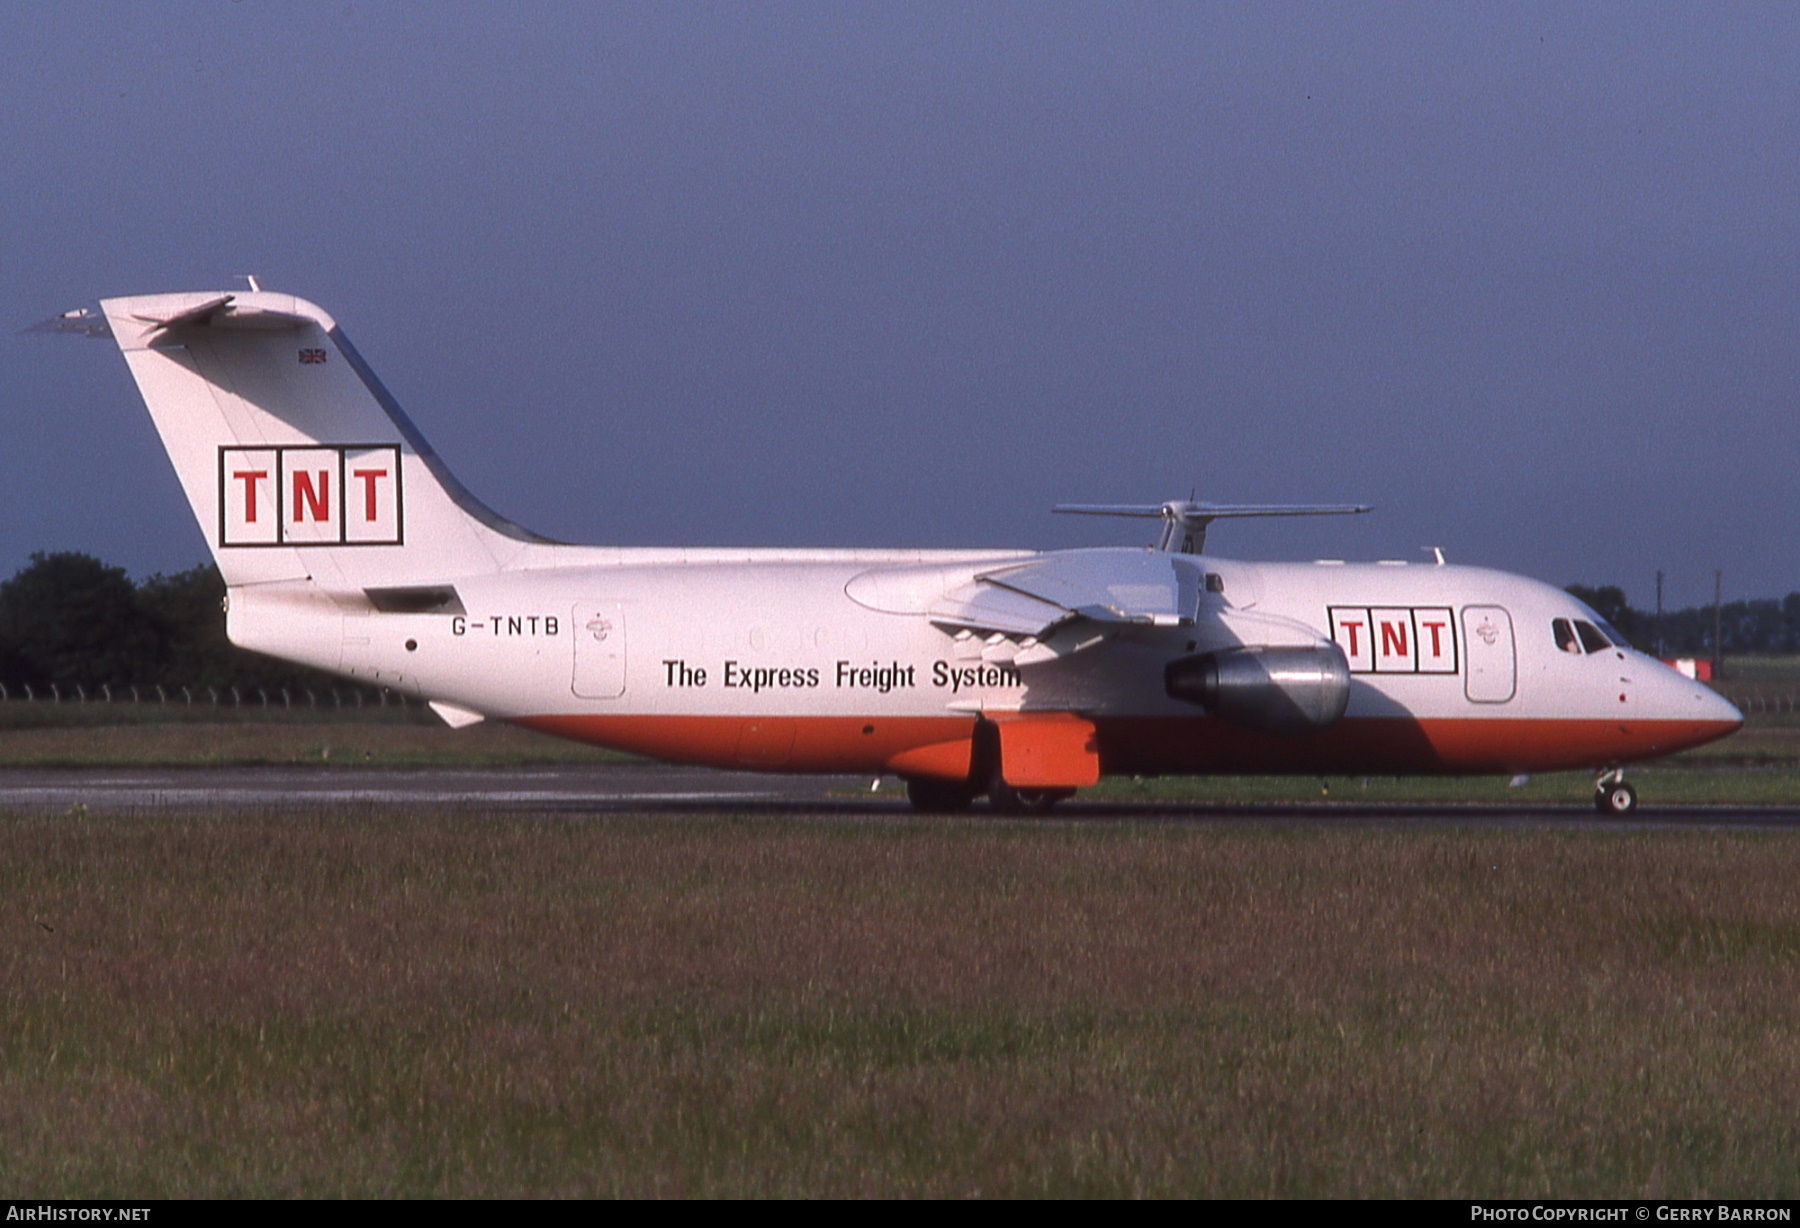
pixel 941 746
pixel 1398 746
pixel 912 745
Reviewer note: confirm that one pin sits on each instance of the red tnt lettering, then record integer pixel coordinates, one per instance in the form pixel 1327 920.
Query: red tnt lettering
pixel 1351 628
pixel 1393 639
pixel 305 496
pixel 1436 629
pixel 369 477
pixel 250 477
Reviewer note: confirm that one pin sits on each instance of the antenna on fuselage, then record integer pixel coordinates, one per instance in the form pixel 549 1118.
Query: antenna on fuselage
pixel 1185 521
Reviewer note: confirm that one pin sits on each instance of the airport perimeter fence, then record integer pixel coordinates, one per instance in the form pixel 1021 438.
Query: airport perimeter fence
pixel 1760 701
pixel 218 697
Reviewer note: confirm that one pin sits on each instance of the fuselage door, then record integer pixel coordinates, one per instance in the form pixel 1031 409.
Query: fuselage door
pixel 1488 639
pixel 599 629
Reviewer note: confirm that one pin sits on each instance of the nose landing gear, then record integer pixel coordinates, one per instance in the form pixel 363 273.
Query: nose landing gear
pixel 1612 795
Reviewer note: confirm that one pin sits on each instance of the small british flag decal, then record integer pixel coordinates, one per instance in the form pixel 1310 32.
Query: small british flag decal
pixel 310 356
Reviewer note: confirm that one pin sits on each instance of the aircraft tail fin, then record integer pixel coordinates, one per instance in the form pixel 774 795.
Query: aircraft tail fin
pixel 298 464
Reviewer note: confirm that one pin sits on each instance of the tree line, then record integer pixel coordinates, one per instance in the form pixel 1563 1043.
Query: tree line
pixel 69 620
pixel 1759 627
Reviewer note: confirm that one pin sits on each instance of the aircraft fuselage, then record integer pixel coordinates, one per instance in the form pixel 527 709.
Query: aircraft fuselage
pixel 767 660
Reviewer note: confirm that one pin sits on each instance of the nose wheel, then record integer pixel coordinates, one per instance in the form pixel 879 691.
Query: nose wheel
pixel 1613 796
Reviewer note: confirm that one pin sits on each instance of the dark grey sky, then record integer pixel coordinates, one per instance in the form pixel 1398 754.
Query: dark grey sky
pixel 1527 277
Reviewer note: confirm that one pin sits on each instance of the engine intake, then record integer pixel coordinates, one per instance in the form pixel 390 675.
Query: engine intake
pixel 1271 690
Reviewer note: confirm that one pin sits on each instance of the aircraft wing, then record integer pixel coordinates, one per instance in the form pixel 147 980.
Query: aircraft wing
pixel 1064 602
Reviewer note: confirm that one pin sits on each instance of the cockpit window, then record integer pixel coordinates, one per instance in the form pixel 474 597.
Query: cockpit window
pixel 1580 636
pixel 1591 639
pixel 1566 639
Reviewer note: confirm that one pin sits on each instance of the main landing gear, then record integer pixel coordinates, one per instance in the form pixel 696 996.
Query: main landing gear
pixel 955 796
pixel 1612 795
pixel 1008 800
pixel 932 796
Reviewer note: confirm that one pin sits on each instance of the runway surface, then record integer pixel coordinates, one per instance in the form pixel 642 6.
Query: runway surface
pixel 647 788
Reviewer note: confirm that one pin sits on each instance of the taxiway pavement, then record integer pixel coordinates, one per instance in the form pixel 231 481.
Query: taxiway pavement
pixel 648 788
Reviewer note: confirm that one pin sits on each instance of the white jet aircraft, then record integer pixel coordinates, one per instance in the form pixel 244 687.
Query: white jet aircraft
pixel 346 545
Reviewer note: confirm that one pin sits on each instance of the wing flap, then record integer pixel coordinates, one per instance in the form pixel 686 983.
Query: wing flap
pixel 982 606
pixel 1122 586
pixel 1059 604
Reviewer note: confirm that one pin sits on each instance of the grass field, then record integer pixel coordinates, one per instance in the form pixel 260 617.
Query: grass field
pixel 154 735
pixel 369 1004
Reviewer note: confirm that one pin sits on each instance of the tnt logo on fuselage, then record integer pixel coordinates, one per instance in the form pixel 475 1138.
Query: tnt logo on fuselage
pixel 315 495
pixel 1395 639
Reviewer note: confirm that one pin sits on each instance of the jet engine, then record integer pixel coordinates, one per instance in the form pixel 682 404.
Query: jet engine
pixel 1271 690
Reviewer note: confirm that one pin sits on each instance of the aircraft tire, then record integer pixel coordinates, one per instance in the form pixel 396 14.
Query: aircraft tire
pixel 1008 800
pixel 929 796
pixel 1618 799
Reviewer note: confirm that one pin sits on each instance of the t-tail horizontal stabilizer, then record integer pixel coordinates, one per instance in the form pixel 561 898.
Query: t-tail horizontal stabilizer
pixel 1185 522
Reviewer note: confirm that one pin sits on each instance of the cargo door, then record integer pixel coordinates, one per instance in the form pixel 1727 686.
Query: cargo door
pixel 599 634
pixel 1488 649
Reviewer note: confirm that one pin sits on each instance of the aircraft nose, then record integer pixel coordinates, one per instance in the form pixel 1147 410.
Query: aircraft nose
pixel 1689 712
pixel 1715 707
pixel 1696 702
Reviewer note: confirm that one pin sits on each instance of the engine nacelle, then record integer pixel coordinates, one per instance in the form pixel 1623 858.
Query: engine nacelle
pixel 1271 690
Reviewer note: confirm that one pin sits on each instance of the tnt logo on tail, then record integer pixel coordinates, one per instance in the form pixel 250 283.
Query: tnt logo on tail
pixel 313 495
